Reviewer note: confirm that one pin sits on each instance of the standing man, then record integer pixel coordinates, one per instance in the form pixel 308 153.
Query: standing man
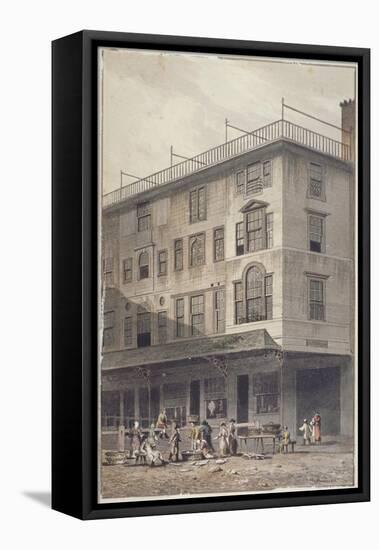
pixel 162 424
pixel 306 429
pixel 174 443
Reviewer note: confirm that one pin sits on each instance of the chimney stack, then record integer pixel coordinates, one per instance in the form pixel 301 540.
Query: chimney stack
pixel 348 118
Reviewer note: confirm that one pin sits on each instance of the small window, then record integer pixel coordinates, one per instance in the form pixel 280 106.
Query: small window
pixel 178 255
pixel 316 300
pixel 179 314
pixel 144 265
pixel 240 182
pixel 268 296
pixel 128 331
pixel 240 239
pixel 197 250
pixel 253 184
pixel 108 330
pixel 254 229
pixel 316 233
pixel 162 262
pixel 316 185
pixel 219 305
pixel 266 392
pixel 218 242
pixel 197 315
pixel 162 326
pixel 238 303
pixel 266 171
pixel 143 216
pixel 143 329
pixel 127 268
pixel 197 205
pixel 108 271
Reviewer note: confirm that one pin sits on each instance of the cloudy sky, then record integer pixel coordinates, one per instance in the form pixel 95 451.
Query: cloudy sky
pixel 151 100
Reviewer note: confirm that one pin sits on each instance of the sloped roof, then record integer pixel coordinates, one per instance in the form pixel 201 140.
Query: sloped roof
pixel 253 340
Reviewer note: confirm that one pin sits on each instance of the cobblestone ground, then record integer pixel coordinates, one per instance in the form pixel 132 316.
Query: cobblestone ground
pixel 330 464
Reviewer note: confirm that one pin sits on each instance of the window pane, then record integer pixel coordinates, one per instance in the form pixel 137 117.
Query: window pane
pixel 316 183
pixel 162 326
pixel 254 295
pixel 193 206
pixel 197 315
pixel 143 329
pixel 179 305
pixel 240 183
pixel 197 250
pixel 128 331
pixel 202 204
pixel 240 239
pixel 269 230
pixel 219 304
pixel 254 227
pixel 266 169
pixel 162 262
pixel 316 300
pixel 315 233
pixel 219 244
pixel 253 184
pixel 178 259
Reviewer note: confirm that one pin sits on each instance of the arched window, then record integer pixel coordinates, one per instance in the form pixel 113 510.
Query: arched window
pixel 197 250
pixel 143 264
pixel 254 294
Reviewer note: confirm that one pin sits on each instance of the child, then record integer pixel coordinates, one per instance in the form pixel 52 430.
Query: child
pixel 307 432
pixel 174 443
pixel 285 440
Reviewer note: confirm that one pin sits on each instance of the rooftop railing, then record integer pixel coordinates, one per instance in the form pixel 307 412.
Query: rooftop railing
pixel 271 132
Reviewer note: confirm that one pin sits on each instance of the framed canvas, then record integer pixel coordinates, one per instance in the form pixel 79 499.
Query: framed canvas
pixel 210 275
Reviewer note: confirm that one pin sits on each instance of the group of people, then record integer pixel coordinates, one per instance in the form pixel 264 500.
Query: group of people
pixel 201 438
pixel 142 444
pixel 311 430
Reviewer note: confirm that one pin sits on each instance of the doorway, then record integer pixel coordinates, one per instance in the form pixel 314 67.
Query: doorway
pixel 242 398
pixel 318 390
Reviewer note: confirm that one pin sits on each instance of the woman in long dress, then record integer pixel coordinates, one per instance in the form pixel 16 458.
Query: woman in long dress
pixel 135 440
pixel 316 428
pixel 223 440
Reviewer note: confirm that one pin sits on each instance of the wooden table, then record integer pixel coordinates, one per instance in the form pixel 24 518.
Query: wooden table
pixel 259 440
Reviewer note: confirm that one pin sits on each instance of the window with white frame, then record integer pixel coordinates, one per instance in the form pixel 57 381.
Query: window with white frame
pixel 316 233
pixel 127 269
pixel 219 310
pixel 316 299
pixel 143 216
pixel 197 205
pixel 316 184
pixel 197 315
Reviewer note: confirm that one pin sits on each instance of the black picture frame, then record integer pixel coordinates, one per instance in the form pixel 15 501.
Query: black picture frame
pixel 74 206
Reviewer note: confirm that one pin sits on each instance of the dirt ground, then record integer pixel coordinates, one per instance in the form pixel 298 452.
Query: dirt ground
pixel 329 464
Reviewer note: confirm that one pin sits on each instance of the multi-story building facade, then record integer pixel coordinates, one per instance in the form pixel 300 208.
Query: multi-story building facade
pixel 228 285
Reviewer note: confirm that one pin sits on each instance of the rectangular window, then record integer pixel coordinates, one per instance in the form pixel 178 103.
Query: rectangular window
pixel 197 250
pixel 197 315
pixel 162 326
pixel 143 329
pixel 108 271
pixel 266 392
pixel 268 296
pixel 128 331
pixel 316 233
pixel 269 230
pixel 240 182
pixel 108 331
pixel 218 244
pixel 197 205
pixel 178 254
pixel 253 184
pixel 143 216
pixel 316 300
pixel 238 303
pixel 254 230
pixel 219 305
pixel 127 269
pixel 179 315
pixel 266 171
pixel 316 181
pixel 162 262
pixel 240 239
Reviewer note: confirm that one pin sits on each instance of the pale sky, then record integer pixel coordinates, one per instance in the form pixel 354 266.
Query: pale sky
pixel 154 99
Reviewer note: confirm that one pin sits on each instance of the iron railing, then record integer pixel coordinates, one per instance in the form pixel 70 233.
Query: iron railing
pixel 271 132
